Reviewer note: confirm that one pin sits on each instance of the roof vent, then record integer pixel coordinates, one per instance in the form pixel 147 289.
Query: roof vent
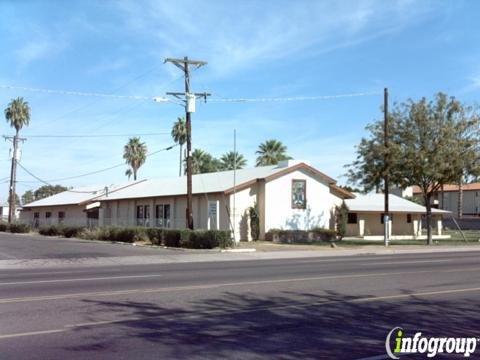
pixel 288 163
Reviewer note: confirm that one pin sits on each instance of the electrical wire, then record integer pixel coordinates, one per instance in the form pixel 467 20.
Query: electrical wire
pixel 97 136
pixel 293 98
pixel 92 172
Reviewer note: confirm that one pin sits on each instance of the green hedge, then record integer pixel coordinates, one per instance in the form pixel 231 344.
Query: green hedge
pixel 196 239
pixel 19 228
pixel 300 236
pixel 15 228
pixel 3 226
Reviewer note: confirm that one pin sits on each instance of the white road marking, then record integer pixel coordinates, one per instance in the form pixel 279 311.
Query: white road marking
pixel 406 262
pixel 80 279
pixel 194 315
pixel 213 286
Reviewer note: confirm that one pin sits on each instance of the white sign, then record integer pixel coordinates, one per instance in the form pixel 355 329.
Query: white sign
pixel 213 215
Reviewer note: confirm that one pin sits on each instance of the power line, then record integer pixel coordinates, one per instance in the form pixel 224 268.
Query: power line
pixel 294 98
pixel 92 172
pixel 217 99
pixel 47 183
pixel 98 136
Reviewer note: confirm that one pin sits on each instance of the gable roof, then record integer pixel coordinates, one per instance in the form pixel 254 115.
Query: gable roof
pixel 375 203
pixel 214 182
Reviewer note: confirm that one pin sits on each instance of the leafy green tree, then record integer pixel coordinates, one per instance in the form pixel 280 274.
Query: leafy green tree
pixel 135 154
pixel 341 217
pixel 179 135
pixel 203 162
pixel 42 192
pixel 432 143
pixel 271 152
pixel 229 159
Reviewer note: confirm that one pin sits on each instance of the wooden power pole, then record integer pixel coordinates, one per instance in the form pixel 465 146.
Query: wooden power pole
pixel 13 177
pixel 189 98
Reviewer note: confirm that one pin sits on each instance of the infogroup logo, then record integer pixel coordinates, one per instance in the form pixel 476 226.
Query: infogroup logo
pixel 398 344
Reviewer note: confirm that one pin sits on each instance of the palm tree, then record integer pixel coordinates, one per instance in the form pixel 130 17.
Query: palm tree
pixel 271 152
pixel 134 153
pixel 179 135
pixel 18 114
pixel 230 159
pixel 203 162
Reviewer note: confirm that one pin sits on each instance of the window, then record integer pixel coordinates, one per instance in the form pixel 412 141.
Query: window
pixel 162 215
pixel 299 194
pixel 409 218
pixel 36 219
pixel 352 218
pixel 143 215
pixel 390 217
pixel 48 215
pixel 61 217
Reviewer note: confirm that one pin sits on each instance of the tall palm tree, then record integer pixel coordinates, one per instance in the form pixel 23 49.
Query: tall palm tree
pixel 179 135
pixel 203 162
pixel 18 114
pixel 134 153
pixel 271 152
pixel 229 159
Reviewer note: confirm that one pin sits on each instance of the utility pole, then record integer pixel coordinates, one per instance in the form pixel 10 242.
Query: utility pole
pixel 386 216
pixel 13 176
pixel 189 98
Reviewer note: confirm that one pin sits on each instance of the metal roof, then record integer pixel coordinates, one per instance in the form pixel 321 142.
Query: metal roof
pixel 75 196
pixel 222 181
pixel 375 203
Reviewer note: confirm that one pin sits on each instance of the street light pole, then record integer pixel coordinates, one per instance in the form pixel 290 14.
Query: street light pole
pixel 386 216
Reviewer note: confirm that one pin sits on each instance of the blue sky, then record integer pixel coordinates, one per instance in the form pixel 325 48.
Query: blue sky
pixel 254 49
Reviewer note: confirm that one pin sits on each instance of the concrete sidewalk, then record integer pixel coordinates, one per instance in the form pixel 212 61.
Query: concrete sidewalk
pixel 175 256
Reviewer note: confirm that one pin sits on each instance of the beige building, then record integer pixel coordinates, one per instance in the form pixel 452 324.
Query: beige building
pixel 290 195
pixel 449 200
pixel 365 218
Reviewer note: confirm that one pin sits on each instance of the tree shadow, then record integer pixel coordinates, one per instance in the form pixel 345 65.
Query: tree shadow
pixel 290 325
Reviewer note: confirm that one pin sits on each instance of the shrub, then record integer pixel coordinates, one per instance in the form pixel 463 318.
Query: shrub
pixel 155 235
pixel 341 216
pixel 209 239
pixel 19 228
pixel 3 226
pixel 300 236
pixel 254 222
pixel 49 230
pixel 128 234
pixel 171 238
pixel 71 231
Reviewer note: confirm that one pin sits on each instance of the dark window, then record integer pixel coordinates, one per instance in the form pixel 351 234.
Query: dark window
pixel 36 215
pixel 48 214
pixel 61 217
pixel 299 194
pixel 143 214
pixel 352 218
pixel 162 215
pixel 409 218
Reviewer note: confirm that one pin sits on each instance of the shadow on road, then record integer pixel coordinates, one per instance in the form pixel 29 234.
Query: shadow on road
pixel 293 325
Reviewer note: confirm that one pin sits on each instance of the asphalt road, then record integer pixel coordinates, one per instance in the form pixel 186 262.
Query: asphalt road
pixel 315 308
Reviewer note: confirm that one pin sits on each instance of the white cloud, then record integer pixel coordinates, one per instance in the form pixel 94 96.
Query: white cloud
pixel 38 48
pixel 233 36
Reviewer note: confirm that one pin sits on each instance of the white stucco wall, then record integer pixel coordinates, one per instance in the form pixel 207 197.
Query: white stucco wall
pixel 278 203
pixel 373 226
pixel 74 215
